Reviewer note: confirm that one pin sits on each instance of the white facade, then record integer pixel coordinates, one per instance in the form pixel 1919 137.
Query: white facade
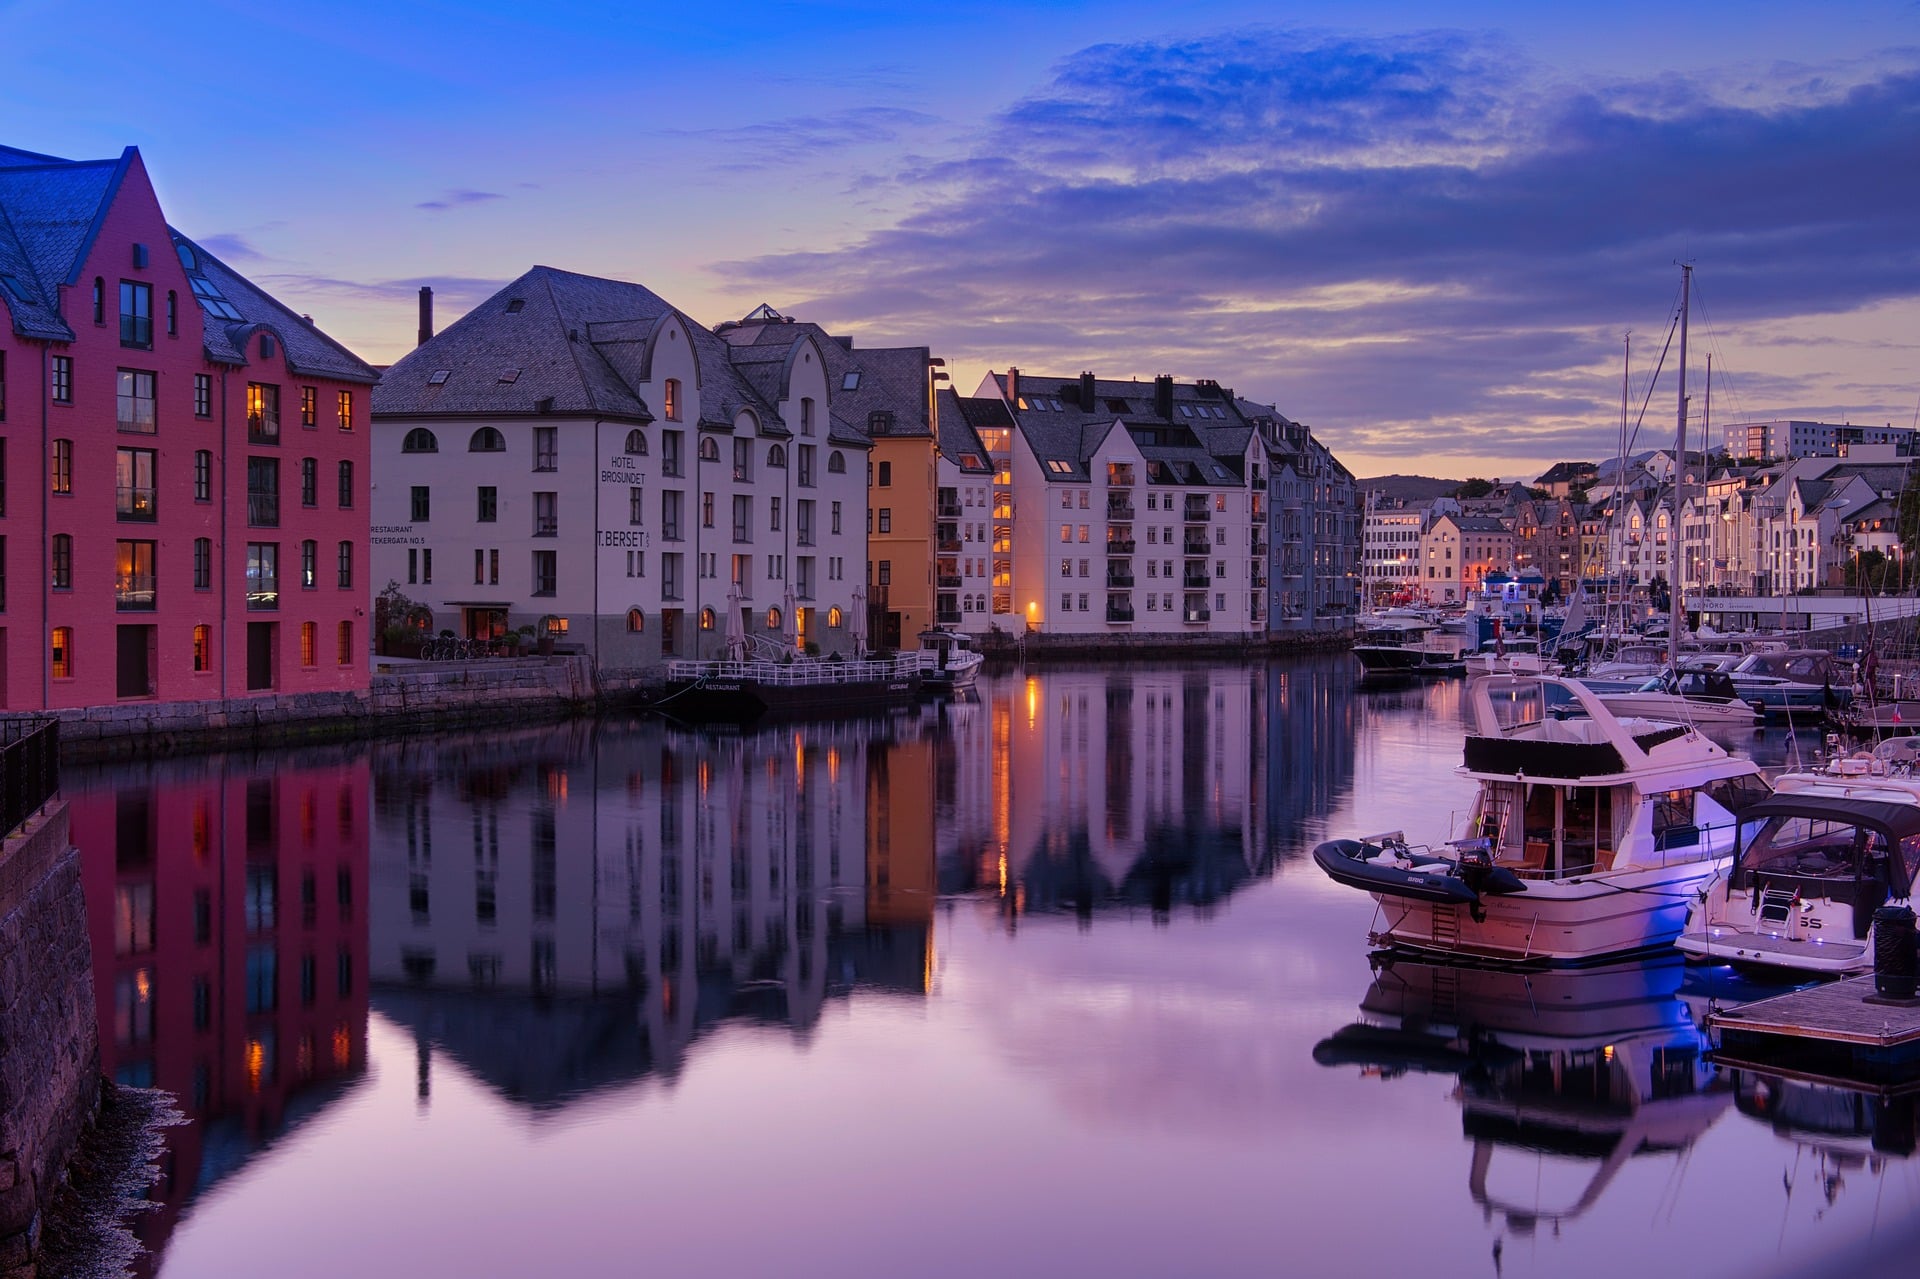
pixel 1391 559
pixel 968 550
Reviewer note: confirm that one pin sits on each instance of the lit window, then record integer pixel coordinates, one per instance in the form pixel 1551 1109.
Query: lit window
pixel 63 652
pixel 671 403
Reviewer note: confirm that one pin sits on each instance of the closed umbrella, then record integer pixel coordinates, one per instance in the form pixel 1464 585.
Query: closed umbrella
pixel 857 624
pixel 736 630
pixel 789 620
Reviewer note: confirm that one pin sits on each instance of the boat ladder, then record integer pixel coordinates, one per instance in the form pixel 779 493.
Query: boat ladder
pixel 1446 925
pixel 1446 992
pixel 1493 818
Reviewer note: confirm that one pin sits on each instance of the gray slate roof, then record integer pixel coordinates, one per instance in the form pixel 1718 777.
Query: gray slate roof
pixel 958 439
pixel 1191 447
pixel 891 379
pixel 307 349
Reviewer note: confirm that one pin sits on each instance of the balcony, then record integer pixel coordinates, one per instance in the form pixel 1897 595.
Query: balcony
pixel 1119 506
pixel 741 533
pixel 1121 545
pixel 1195 580
pixel 1259 575
pixel 1119 579
pixel 1198 545
pixel 947 581
pixel 134 593
pixel 1119 475
pixel 263 510
pixel 1198 512
pixel 1197 614
pixel 1119 611
pixel 1259 543
pixel 947 538
pixel 947 511
pixel 946 615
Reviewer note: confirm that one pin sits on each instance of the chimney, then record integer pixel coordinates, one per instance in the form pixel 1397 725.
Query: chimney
pixel 1086 392
pixel 1163 396
pixel 426 315
pixel 1013 387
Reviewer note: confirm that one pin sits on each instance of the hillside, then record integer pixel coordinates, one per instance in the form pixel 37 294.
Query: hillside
pixel 1409 488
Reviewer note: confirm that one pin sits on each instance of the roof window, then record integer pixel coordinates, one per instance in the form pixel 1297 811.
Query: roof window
pixel 210 299
pixel 439 377
pixel 1060 468
pixel 511 375
pixel 1116 406
pixel 851 382
pixel 516 305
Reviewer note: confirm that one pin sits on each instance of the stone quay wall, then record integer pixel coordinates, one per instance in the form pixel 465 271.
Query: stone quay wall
pixel 49 1036
pixel 1251 647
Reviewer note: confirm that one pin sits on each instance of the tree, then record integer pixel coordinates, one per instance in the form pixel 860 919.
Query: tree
pixel 1473 487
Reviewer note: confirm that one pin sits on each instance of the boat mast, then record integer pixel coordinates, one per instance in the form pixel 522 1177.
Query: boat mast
pixel 1676 601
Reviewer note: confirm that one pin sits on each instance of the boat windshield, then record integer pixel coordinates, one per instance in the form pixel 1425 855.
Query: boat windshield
pixel 1523 703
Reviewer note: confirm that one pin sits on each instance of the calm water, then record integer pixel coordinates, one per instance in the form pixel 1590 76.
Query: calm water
pixel 1043 984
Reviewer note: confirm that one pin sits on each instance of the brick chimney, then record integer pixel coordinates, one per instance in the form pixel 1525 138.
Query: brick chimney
pixel 1086 392
pixel 1013 388
pixel 1163 396
pixel 426 315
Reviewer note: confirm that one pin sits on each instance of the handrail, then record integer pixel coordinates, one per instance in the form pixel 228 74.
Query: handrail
pixel 806 673
pixel 29 768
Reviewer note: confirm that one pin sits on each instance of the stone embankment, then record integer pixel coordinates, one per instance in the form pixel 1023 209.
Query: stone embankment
pixel 49 1037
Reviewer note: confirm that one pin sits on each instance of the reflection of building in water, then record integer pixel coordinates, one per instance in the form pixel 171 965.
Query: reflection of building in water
pixel 1590 1066
pixel 1310 728
pixel 226 898
pixel 567 908
pixel 1140 785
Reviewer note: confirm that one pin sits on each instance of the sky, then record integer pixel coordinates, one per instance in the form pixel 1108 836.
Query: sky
pixel 1424 230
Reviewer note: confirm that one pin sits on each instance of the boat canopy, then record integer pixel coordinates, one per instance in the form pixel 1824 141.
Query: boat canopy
pixel 1813 831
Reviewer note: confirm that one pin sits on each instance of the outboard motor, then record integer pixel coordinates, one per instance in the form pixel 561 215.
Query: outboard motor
pixel 1474 867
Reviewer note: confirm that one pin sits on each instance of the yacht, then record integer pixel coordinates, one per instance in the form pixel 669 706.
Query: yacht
pixel 1691 695
pixel 1589 836
pixel 1794 681
pixel 1402 645
pixel 956 663
pixel 1831 847
pixel 1519 655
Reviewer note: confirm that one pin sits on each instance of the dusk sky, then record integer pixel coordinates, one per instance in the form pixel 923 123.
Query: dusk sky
pixel 1420 229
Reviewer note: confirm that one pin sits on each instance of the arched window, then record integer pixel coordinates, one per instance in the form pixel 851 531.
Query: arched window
pixel 636 621
pixel 833 617
pixel 836 463
pixel 487 440
pixel 706 619
pixel 709 449
pixel 776 456
pixel 636 443
pixel 419 440
pixel 673 399
pixel 773 619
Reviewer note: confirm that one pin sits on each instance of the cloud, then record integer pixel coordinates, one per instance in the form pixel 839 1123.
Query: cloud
pixel 457 199
pixel 232 248
pixel 798 140
pixel 452 290
pixel 1426 241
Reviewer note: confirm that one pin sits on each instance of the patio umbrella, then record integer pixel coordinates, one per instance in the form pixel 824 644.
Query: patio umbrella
pixel 789 620
pixel 736 630
pixel 857 623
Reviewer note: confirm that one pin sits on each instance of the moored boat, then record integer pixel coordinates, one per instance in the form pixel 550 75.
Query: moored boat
pixel 1686 697
pixel 1589 836
pixel 1400 645
pixel 742 692
pixel 956 665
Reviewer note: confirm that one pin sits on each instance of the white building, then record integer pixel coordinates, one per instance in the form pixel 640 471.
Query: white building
pixel 964 531
pixel 577 454
pixel 1390 560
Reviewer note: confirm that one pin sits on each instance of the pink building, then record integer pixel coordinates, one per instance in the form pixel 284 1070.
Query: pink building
pixel 183 461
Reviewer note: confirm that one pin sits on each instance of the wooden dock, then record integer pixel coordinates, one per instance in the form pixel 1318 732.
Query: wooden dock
pixel 1816 1028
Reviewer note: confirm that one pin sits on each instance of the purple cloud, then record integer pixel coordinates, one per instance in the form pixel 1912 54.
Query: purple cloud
pixel 457 199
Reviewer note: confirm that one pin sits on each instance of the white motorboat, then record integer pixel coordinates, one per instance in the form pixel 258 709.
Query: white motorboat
pixel 1516 656
pixel 1685 697
pixel 1831 847
pixel 1589 837
pixel 956 663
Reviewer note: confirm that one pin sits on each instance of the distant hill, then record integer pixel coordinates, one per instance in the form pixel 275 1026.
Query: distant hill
pixel 1410 488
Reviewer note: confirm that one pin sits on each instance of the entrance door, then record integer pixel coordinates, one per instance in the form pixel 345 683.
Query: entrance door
pixel 133 661
pixel 260 654
pixel 890 633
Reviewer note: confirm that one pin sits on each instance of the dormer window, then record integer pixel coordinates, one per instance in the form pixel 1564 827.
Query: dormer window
pixel 671 402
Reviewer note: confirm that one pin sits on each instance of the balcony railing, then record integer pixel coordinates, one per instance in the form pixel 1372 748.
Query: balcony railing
pixel 1121 545
pixel 1201 614
pixel 948 545
pixel 1124 579
pixel 135 503
pixel 1118 612
pixel 1259 544
pixel 549 526
pixel 134 593
pixel 947 511
pixel 947 616
pixel 947 581
pixel 1198 545
pixel 1259 575
pixel 1193 581
pixel 1198 512
pixel 263 510
pixel 1120 506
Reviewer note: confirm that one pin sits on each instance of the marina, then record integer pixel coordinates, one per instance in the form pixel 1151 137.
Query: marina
pixel 1839 1021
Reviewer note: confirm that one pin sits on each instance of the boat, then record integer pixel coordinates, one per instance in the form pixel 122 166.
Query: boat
pixel 1795 681
pixel 1693 695
pixel 1588 837
pixel 740 692
pixel 1599 1066
pixel 1404 645
pixel 1501 655
pixel 956 663
pixel 1830 847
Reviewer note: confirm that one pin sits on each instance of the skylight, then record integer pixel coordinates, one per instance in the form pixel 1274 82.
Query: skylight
pixel 210 300
pixel 511 375
pixel 1060 468
pixel 516 305
pixel 851 382
pixel 1116 406
pixel 439 377
pixel 16 288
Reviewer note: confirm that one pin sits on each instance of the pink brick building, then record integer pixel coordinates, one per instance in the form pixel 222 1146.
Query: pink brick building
pixel 183 461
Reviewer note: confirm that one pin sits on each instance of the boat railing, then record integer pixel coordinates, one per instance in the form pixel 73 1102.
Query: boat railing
pixel 807 673
pixel 1675 846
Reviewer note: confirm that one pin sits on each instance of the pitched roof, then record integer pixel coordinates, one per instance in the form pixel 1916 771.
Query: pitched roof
pixel 958 439
pixel 307 349
pixel 1203 442
pixel 860 381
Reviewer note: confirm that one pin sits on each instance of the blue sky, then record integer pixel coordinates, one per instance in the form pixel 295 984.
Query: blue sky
pixel 1421 229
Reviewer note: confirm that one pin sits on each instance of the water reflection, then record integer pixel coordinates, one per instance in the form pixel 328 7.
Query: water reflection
pixel 227 907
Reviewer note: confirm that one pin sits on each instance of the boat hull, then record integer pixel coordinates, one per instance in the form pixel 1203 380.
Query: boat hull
pixel 1554 922
pixel 743 701
pixel 1673 706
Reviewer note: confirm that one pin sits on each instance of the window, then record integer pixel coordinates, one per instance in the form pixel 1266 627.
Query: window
pixel 203 395
pixel 343 410
pixel 60 561
pixel 806 465
pixel 263 575
pixel 99 300
pixel 485 440
pixel 886 519
pixel 346 486
pixel 709 449
pixel 886 474
pixel 345 652
pixel 63 379
pixel 636 443
pixel 885 577
pixel 834 617
pixel 263 413
pixel 309 565
pixel 636 621
pixel 836 463
pixel 3 386
pixel 136 407
pixel 774 516
pixel 419 440
pixel 546 515
pixel 133 484
pixel 309 481
pixel 263 492
pixel 202 649
pixel 671 401
pixel 670 445
pixel 670 572
pixel 742 518
pixel 776 457
pixel 706 510
pixel 670 502
pixel 346 564
pixel 202 475
pixel 136 314
pixel 307 635
pixel 133 580
pixel 636 499
pixel 62 652
pixel 835 520
pixel 202 563
pixel 806 416
pixel 309 418
pixel 546 580
pixel 173 314
pixel 62 466
pixel 422 504
pixel 706 619
pixel 487 499
pixel 546 448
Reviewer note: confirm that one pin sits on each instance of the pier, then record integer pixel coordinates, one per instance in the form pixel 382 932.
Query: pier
pixel 1836 1024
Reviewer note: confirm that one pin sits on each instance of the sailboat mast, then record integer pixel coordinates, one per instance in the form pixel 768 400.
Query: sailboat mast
pixel 1676 607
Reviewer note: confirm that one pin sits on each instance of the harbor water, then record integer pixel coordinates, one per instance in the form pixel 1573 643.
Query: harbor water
pixel 1041 983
